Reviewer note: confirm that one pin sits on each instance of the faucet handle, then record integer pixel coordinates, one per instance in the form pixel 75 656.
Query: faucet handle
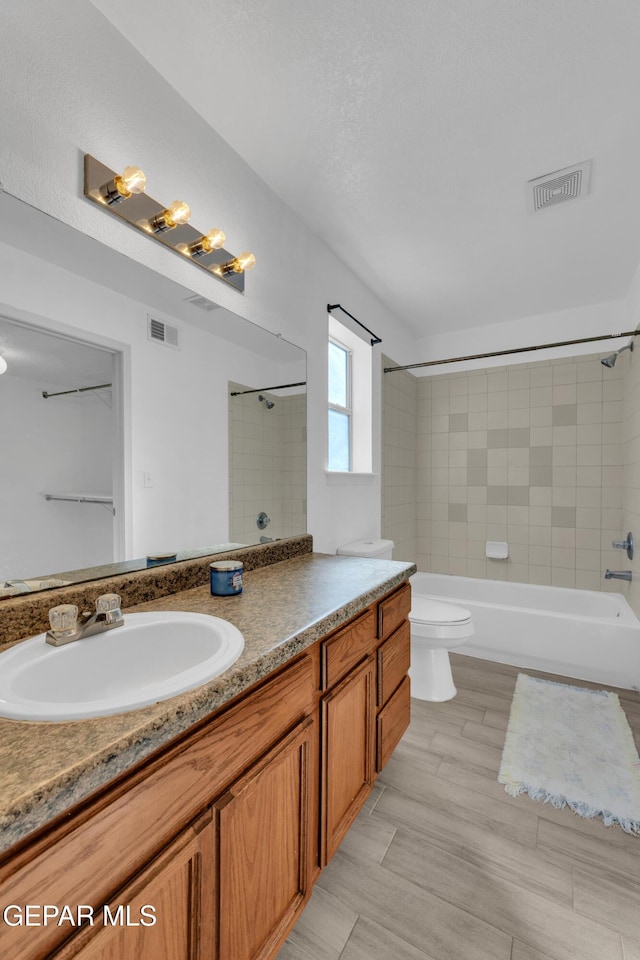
pixel 108 602
pixel 109 605
pixel 625 545
pixel 63 619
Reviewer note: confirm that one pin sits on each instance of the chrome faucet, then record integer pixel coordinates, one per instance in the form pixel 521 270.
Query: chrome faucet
pixel 65 626
pixel 618 575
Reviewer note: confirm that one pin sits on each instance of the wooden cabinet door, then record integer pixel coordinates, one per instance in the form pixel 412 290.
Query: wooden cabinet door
pixel 348 738
pixel 175 891
pixel 264 843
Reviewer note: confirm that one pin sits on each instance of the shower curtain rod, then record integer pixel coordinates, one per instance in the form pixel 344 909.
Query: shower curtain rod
pixel 504 353
pixel 280 386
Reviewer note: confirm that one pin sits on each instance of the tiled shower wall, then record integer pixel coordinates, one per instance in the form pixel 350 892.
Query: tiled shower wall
pixel 529 454
pixel 399 444
pixel 268 465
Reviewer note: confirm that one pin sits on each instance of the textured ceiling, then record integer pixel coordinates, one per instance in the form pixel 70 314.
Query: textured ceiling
pixel 403 133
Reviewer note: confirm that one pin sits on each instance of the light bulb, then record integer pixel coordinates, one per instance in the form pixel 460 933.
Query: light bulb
pixel 239 264
pixel 3 365
pixel 178 212
pixel 124 185
pixel 213 240
pixel 131 180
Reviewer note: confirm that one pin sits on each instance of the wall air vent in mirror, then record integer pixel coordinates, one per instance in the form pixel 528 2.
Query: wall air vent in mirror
pixel 202 303
pixel 163 332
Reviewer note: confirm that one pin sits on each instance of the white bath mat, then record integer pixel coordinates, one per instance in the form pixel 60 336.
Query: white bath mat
pixel 571 746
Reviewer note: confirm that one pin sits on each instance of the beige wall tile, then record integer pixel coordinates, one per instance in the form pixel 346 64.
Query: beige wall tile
pixel 563 577
pixel 497 419
pixel 562 394
pixel 564 496
pixel 532 454
pixel 541 436
pixel 540 496
pixel 540 574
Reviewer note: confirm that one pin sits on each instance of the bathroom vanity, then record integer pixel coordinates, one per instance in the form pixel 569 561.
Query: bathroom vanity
pixel 206 820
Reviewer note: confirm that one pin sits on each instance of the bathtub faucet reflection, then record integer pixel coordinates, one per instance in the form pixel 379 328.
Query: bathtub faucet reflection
pixel 618 575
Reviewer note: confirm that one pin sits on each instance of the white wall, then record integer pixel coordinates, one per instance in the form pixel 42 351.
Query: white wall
pixel 71 84
pixel 49 446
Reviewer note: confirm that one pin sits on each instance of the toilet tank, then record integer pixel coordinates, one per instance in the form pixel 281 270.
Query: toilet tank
pixel 380 549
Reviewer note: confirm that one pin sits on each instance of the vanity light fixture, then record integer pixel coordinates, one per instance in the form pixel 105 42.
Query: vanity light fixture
pixel 167 224
pixel 178 213
pixel 214 240
pixel 124 185
pixel 239 264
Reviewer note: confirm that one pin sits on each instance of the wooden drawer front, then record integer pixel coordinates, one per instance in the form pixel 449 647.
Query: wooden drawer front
pixel 394 658
pixel 392 722
pixel 145 811
pixel 347 648
pixel 393 611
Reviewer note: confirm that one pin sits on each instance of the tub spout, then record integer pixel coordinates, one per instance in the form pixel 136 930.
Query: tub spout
pixel 618 575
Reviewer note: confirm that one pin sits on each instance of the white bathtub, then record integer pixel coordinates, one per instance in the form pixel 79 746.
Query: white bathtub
pixel 576 633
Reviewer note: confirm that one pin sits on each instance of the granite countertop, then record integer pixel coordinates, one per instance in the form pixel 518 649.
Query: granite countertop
pixel 47 767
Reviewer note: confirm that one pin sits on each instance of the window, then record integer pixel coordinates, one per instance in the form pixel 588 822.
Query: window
pixel 340 412
pixel 349 401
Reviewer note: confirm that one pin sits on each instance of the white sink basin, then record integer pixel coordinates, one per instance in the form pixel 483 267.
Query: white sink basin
pixel 154 656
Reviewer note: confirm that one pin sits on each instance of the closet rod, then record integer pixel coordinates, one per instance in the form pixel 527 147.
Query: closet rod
pixel 61 393
pixel 280 386
pixel 78 498
pixel 504 353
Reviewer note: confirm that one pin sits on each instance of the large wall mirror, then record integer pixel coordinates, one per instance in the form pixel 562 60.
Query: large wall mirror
pixel 133 429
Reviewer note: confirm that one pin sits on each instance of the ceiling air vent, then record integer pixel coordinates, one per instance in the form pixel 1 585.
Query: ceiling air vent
pixel 163 332
pixel 571 183
pixel 202 303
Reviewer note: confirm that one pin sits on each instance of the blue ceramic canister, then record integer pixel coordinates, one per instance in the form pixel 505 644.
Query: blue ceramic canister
pixel 226 578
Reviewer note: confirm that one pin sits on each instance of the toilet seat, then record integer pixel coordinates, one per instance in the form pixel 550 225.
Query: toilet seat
pixel 437 613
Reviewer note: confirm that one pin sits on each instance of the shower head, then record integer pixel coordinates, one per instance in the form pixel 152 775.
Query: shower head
pixel 269 404
pixel 610 361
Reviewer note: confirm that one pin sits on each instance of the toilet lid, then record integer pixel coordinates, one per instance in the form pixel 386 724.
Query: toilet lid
pixel 425 610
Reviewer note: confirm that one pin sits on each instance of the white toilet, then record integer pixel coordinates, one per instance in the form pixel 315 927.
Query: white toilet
pixel 436 628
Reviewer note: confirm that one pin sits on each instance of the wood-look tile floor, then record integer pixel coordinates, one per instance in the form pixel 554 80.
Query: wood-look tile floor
pixel 442 864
